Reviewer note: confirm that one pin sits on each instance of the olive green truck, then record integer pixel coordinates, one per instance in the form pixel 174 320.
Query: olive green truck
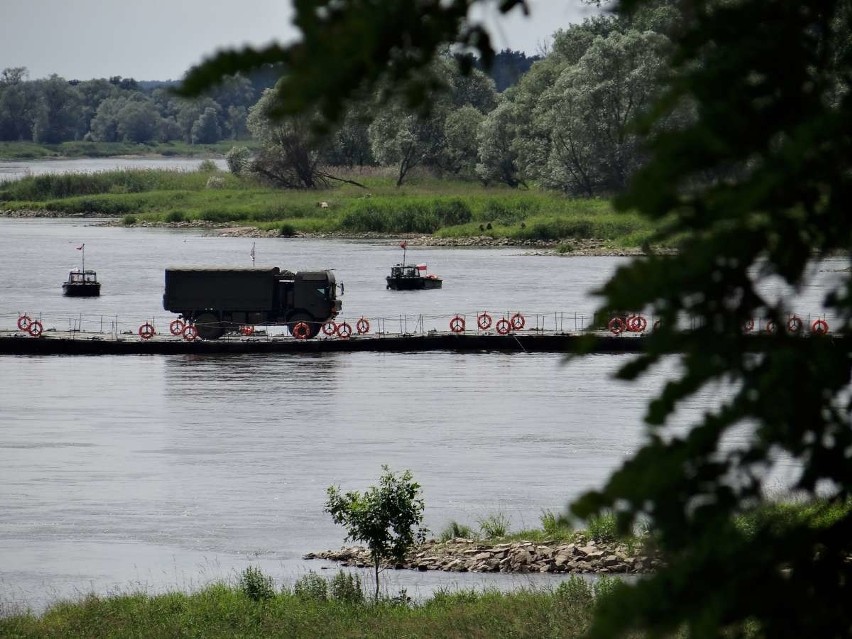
pixel 218 300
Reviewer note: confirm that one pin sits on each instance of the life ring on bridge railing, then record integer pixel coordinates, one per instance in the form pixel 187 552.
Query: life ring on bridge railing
pixel 518 321
pixel 794 325
pixel 503 326
pixel 176 327
pixel 146 331
pixel 483 321
pixel 190 332
pixel 24 322
pixel 616 325
pixel 301 330
pixel 247 329
pixel 457 324
pixel 636 323
pixel 329 328
pixel 748 325
pixel 343 330
pixel 362 326
pixel 35 328
pixel 819 327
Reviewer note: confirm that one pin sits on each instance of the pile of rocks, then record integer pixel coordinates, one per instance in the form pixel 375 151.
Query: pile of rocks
pixel 466 555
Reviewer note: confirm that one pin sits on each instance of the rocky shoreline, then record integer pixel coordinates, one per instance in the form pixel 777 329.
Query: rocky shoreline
pixel 466 555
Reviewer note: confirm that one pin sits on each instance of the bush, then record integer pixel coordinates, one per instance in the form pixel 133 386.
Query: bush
pixel 287 230
pixel 255 585
pixel 128 220
pixel 576 591
pixel 453 213
pixel 312 587
pixel 554 524
pixel 494 526
pixel 207 166
pixel 602 527
pixel 238 159
pixel 456 530
pixel 347 587
pixel 175 216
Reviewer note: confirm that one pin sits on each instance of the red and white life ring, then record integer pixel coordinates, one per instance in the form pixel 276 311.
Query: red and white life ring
pixel 176 327
pixel 503 326
pixel 636 323
pixel 35 328
pixel 190 332
pixel 247 329
pixel 819 327
pixel 794 325
pixel 343 330
pixel 616 325
pixel 517 321
pixel 457 324
pixel 301 330
pixel 24 322
pixel 483 321
pixel 146 331
pixel 329 328
pixel 748 325
pixel 362 326
pixel 771 326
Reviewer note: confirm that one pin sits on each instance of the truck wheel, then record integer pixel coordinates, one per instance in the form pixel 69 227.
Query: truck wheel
pixel 208 326
pixel 313 327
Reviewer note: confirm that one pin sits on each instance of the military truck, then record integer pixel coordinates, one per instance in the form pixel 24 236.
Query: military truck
pixel 220 300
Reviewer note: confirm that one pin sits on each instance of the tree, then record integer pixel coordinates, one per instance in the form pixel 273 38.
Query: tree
pixel 387 518
pixel 205 130
pixel 460 133
pixel 406 140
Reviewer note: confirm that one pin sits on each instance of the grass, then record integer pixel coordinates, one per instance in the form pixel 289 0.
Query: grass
pixel 80 149
pixel 439 207
pixel 223 611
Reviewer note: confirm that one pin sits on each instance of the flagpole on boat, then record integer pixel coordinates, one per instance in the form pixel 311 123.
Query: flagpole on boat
pixel 252 253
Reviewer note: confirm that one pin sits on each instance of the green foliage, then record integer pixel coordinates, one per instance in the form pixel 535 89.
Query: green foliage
pixel 576 591
pixel 346 586
pixel 311 587
pixel 286 230
pixel 207 166
pixel 455 530
pixel 386 518
pixel 129 220
pixel 602 527
pixel 494 526
pixel 555 525
pixel 255 585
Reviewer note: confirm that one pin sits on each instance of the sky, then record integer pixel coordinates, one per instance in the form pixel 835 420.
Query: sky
pixel 162 39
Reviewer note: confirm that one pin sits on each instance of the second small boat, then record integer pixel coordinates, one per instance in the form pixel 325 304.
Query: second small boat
pixel 411 277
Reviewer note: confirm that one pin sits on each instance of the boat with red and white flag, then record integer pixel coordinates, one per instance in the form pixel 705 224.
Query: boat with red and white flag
pixel 82 282
pixel 411 277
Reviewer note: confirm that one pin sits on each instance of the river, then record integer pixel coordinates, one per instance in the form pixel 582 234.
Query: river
pixel 151 473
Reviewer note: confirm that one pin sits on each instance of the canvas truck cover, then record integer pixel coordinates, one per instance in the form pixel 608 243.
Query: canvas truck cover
pixel 233 289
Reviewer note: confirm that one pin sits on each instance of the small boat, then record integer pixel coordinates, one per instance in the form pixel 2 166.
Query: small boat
pixel 82 282
pixel 411 277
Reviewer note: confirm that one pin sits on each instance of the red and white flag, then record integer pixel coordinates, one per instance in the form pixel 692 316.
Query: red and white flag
pixel 80 248
pixel 403 244
pixel 421 267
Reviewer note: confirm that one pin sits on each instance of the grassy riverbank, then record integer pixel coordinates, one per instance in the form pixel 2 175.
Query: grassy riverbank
pixel 438 207
pixel 251 610
pixel 22 151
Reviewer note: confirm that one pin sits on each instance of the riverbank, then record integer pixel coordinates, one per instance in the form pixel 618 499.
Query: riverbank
pixel 467 555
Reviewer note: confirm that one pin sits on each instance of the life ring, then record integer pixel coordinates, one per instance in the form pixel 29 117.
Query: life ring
pixel 146 331
pixel 301 330
pixel 35 328
pixel 24 322
pixel 636 323
pixel 518 321
pixel 616 325
pixel 483 321
pixel 190 332
pixel 748 325
pixel 329 328
pixel 771 327
pixel 343 330
pixel 176 327
pixel 457 324
pixel 247 329
pixel 362 326
pixel 819 327
pixel 503 326
pixel 794 325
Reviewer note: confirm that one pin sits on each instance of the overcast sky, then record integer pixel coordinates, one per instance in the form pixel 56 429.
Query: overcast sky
pixel 161 39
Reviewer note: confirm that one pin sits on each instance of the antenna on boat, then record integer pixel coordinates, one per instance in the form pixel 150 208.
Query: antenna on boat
pixel 404 245
pixel 82 248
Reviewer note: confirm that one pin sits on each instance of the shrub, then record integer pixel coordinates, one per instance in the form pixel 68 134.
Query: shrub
pixel 554 524
pixel 255 585
pixel 207 166
pixel 287 230
pixel 453 213
pixel 602 527
pixel 576 591
pixel 128 220
pixel 494 526
pixel 311 586
pixel 238 159
pixel 454 530
pixel 175 216
pixel 347 587
pixel 604 586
